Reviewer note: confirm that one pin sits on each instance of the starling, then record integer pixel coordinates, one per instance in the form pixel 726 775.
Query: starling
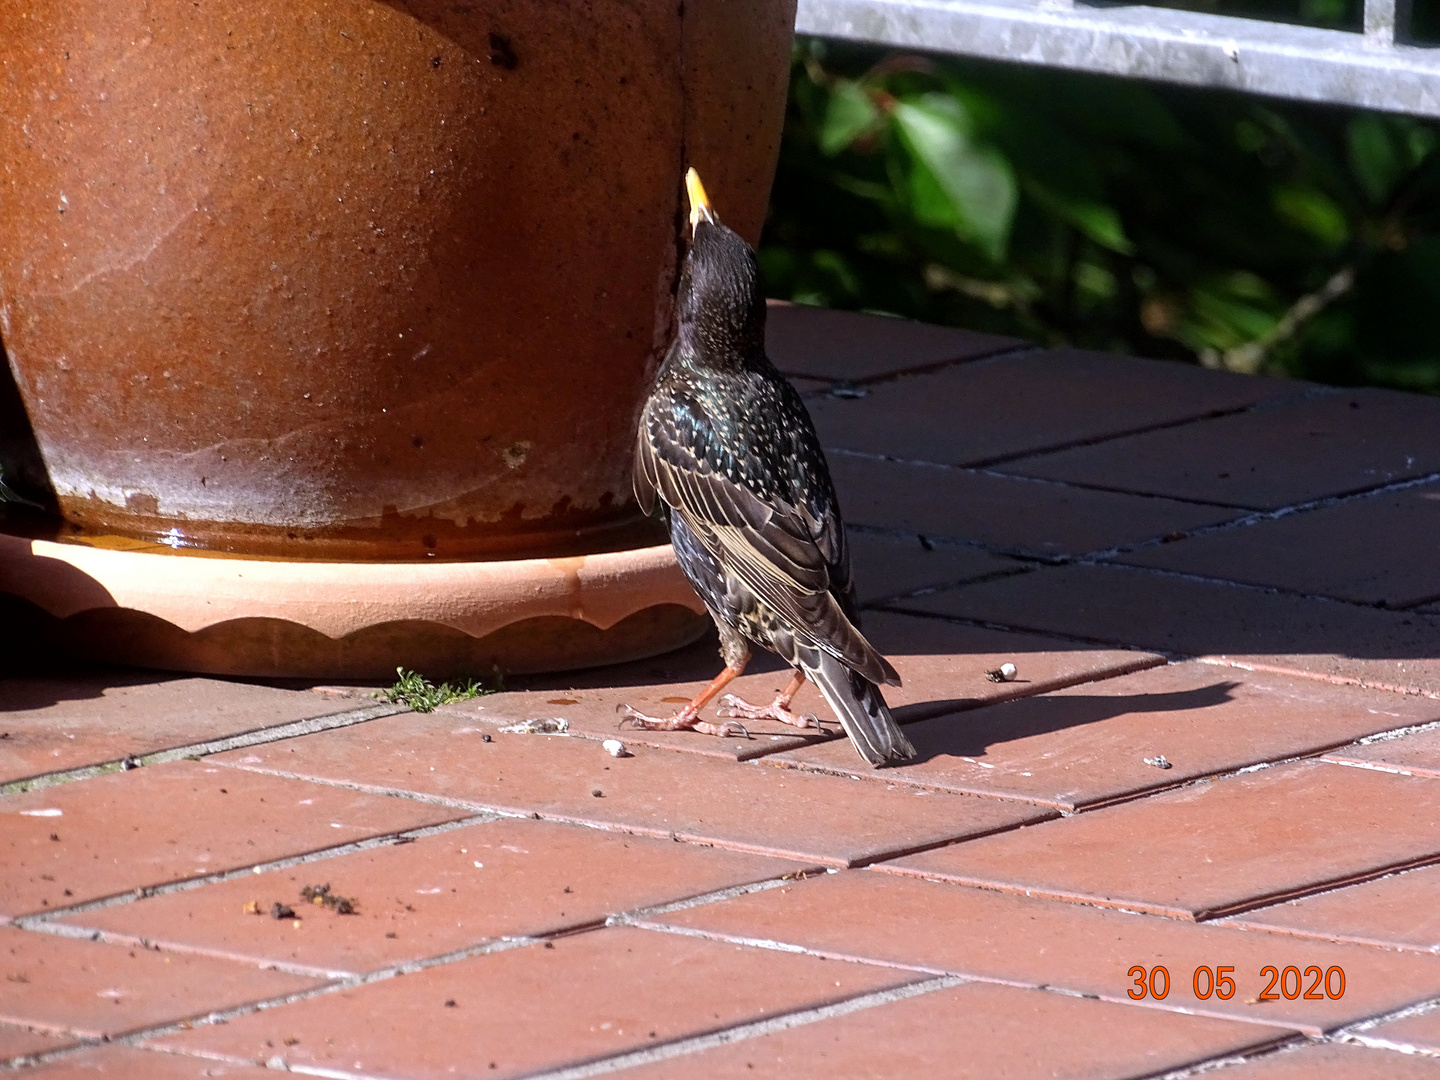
pixel 725 444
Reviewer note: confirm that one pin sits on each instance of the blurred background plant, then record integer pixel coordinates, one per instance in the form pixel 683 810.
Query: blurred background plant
pixel 1233 231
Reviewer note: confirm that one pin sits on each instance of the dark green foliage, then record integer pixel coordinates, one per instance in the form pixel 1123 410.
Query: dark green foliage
pixel 1234 231
pixel 419 693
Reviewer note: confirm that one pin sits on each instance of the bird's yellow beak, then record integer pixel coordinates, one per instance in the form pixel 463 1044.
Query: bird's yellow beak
pixel 699 202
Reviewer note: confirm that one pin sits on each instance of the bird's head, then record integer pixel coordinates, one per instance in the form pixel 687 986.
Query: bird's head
pixel 722 313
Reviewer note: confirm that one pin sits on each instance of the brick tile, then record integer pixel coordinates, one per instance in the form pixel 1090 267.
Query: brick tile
pixel 129 1064
pixel 64 722
pixel 1003 1031
pixel 19 1042
pixel 1417 753
pixel 1214 848
pixel 169 822
pixel 1028 941
pixel 1088 744
pixel 942 665
pixel 520 1009
pixel 1024 516
pixel 1395 912
pixel 438 894
pixel 1384 550
pixel 589 702
pixel 851 347
pixel 1267 458
pixel 1341 642
pixel 752 807
pixel 992 409
pixel 102 991
pixel 1336 1061
pixel 1420 1032
pixel 887 566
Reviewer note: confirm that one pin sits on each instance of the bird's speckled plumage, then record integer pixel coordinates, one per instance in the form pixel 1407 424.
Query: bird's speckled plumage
pixel 727 446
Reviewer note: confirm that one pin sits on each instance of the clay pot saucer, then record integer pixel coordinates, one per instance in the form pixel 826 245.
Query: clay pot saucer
pixel 329 620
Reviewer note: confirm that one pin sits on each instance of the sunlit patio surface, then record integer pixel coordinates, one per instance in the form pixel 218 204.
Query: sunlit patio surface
pixel 1199 829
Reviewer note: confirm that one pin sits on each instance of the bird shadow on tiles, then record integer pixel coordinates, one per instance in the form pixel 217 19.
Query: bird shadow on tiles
pixel 972 732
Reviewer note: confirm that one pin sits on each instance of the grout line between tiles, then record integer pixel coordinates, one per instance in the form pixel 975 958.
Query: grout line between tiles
pixel 1371 766
pixel 1105 556
pixel 983 468
pixel 1002 352
pixel 625 918
pixel 254 737
pixel 1398 733
pixel 1359 1027
pixel 1203 1068
pixel 1281 401
pixel 41 921
pixel 634 916
pixel 1316 676
pixel 1174 656
pixel 1244 586
pixel 740 1032
pixel 967 976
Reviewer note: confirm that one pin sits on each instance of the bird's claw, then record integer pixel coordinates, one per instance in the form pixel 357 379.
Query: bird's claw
pixel 687 719
pixel 731 705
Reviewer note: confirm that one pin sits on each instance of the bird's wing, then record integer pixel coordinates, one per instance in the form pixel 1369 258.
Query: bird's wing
pixel 782 552
pixel 645 481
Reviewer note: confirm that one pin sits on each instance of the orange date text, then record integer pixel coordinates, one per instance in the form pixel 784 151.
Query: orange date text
pixel 1290 982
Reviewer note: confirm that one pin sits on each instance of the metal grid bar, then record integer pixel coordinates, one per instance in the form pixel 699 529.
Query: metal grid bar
pixel 1304 63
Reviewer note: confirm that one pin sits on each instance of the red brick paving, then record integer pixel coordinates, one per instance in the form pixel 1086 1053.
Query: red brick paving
pixel 70 843
pixel 942 928
pixel 706 842
pixel 1393 650
pixel 943 666
pixel 1417 753
pixel 1010 514
pixel 1382 550
pixel 1214 847
pixel 976 1032
pixel 973 413
pixel 19 1041
pixel 594 995
pixel 846 346
pixel 1419 1032
pixel 80 988
pixel 888 566
pixel 440 893
pixel 1337 1061
pixel 1098 742
pixel 1395 912
pixel 129 1064
pixel 750 807
pixel 51 724
pixel 1331 444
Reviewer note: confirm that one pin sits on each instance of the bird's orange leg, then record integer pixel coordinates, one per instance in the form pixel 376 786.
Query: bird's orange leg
pixel 779 709
pixel 688 718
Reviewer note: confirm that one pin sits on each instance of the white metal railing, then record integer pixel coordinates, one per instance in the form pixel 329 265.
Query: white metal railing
pixel 1374 69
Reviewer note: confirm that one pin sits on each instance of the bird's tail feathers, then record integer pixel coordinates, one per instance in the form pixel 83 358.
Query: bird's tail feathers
pixel 862 711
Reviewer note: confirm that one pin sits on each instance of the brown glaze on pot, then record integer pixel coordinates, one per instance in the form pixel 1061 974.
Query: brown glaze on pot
pixel 357 280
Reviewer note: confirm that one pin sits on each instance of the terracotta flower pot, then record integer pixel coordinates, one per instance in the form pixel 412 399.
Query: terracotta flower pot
pixel 360 281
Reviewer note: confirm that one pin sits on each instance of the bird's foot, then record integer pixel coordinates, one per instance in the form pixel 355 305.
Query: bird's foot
pixel 779 709
pixel 687 719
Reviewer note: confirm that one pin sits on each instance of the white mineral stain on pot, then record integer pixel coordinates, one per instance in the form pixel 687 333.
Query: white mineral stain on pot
pixel 515 454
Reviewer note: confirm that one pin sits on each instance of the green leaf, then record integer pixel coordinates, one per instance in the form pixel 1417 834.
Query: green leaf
pixel 1375 160
pixel 1311 211
pixel 954 183
pixel 1093 218
pixel 850 114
